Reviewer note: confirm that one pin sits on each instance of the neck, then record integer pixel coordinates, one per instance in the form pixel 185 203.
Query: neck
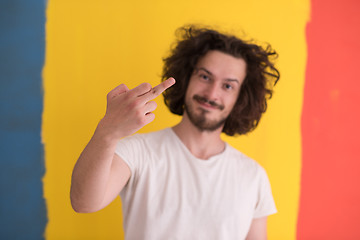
pixel 202 144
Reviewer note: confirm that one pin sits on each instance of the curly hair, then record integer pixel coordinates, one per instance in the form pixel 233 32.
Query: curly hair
pixel 257 87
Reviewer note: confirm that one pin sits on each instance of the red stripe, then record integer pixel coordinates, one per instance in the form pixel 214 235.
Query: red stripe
pixel 330 191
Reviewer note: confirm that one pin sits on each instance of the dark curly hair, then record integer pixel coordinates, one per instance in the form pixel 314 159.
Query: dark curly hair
pixel 193 43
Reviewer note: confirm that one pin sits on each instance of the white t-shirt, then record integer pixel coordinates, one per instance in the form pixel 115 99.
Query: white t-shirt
pixel 171 194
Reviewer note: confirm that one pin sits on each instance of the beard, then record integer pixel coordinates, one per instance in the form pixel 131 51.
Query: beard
pixel 200 119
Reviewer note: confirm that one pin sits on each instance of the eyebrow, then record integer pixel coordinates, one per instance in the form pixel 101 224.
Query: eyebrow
pixel 227 79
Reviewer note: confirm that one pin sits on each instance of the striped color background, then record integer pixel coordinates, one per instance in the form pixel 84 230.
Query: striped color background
pixel 58 59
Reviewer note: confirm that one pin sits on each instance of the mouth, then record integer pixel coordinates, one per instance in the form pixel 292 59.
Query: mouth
pixel 208 103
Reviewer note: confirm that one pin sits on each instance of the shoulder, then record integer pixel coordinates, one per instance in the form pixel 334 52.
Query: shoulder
pixel 245 163
pixel 146 137
pixel 147 141
pixel 141 148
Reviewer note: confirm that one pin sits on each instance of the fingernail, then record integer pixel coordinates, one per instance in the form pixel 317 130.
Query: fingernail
pixel 172 80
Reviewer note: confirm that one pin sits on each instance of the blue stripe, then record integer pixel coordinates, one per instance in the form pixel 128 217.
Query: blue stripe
pixel 22 48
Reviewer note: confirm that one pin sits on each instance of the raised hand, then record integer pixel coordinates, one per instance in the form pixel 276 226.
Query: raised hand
pixel 129 110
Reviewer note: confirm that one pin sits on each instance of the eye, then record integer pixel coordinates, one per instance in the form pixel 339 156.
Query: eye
pixel 204 77
pixel 227 86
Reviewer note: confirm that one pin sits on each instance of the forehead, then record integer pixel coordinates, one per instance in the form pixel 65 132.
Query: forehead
pixel 223 65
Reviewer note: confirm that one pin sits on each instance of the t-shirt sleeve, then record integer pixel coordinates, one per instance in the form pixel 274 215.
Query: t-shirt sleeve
pixel 265 205
pixel 130 149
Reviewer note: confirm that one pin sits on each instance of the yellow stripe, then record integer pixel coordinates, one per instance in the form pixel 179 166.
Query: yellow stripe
pixel 93 46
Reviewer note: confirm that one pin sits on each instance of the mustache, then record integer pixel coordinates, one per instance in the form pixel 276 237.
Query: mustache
pixel 205 100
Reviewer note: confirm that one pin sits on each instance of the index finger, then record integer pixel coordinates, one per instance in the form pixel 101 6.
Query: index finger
pixel 157 90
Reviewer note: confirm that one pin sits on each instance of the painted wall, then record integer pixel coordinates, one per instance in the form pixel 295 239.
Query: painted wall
pixel 306 138
pixel 22 46
pixel 330 196
pixel 94 46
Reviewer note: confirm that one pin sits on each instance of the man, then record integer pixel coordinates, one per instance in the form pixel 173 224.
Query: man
pixel 185 182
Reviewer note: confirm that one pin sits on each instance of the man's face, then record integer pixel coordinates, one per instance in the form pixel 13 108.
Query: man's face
pixel 213 90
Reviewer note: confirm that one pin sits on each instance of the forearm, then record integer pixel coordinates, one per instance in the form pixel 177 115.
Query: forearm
pixel 92 171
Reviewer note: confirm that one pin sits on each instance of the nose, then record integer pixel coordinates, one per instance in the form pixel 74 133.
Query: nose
pixel 212 92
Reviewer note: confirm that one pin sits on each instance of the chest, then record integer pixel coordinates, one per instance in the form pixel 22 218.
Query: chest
pixel 182 186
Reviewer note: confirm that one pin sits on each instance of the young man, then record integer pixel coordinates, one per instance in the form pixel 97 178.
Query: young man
pixel 185 182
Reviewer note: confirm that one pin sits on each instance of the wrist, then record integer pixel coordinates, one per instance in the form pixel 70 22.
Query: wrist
pixel 105 132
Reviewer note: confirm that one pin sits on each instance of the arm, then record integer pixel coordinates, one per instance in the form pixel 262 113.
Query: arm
pixel 99 174
pixel 258 229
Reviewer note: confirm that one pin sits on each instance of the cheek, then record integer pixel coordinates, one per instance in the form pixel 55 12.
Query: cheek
pixel 188 96
pixel 188 93
pixel 193 89
pixel 232 100
pixel 230 105
pixel 190 86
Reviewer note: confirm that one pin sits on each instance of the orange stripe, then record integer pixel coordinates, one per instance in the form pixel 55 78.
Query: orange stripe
pixel 329 203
